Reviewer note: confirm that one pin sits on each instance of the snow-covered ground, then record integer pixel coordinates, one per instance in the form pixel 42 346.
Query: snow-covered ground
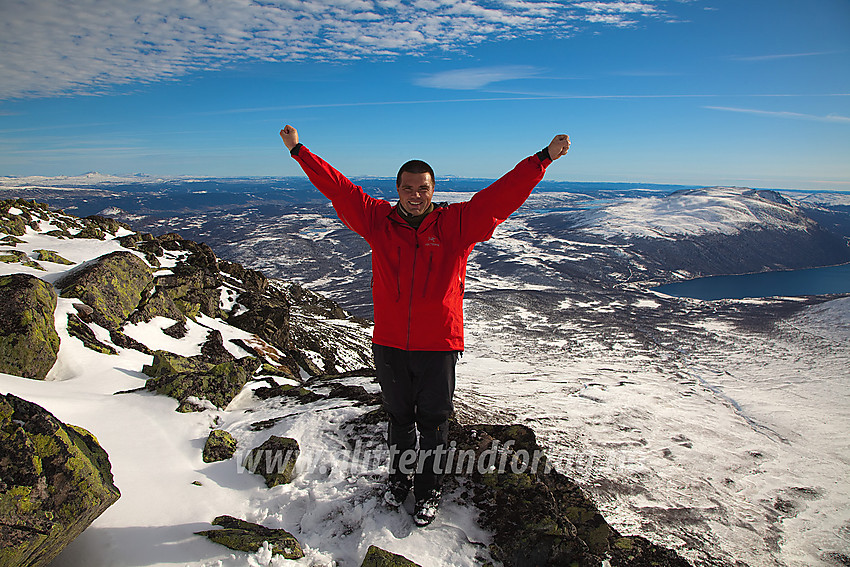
pixel 726 444
pixel 334 507
pixel 724 441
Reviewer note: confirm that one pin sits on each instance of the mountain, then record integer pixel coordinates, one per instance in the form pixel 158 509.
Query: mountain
pixel 712 427
pixel 223 398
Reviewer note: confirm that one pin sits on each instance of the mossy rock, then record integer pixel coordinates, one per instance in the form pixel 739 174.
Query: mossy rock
pixel 274 460
pixel 78 329
pixel 16 256
pixel 240 535
pixel 220 446
pixel 377 557
pixel 185 377
pixel 28 339
pixel 112 285
pixel 10 240
pixel 51 256
pixel 56 479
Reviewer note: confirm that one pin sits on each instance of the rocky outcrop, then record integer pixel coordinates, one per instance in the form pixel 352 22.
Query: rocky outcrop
pixel 215 376
pixel 112 285
pixel 28 339
pixel 55 479
pixel 241 535
pixel 537 516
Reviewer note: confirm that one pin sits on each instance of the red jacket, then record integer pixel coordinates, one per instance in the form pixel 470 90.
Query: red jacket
pixel 418 275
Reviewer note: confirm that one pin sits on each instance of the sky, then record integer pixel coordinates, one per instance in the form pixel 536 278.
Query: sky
pixel 749 93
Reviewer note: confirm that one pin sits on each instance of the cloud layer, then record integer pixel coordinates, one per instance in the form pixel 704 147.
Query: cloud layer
pixel 55 47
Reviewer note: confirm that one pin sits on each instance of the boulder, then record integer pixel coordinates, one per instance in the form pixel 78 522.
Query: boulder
pixel 220 446
pixel 537 516
pixel 55 479
pixel 28 339
pixel 274 460
pixel 218 383
pixel 377 557
pixel 241 535
pixel 112 285
pixel 52 256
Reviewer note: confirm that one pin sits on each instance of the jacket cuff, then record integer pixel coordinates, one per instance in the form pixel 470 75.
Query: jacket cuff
pixel 543 156
pixel 294 151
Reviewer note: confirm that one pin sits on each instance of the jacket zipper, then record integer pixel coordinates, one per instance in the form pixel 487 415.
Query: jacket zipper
pixel 412 284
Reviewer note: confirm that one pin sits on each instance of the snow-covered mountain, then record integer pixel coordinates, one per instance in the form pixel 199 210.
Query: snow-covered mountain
pixel 712 427
pixel 149 324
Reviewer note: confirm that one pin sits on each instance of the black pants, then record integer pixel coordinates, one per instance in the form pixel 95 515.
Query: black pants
pixel 417 388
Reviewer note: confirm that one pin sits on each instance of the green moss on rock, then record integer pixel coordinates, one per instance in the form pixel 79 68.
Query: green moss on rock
pixel 28 339
pixel 112 285
pixel 51 256
pixel 241 535
pixel 220 446
pixel 377 557
pixel 56 480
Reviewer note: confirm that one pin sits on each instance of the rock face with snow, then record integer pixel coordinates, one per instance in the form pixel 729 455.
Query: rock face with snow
pixel 28 339
pixel 112 286
pixel 55 479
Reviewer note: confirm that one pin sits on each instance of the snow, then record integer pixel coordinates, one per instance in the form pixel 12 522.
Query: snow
pixel 334 506
pixel 728 446
pixel 720 210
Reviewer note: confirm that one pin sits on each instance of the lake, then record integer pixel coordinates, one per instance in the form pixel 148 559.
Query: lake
pixel 811 281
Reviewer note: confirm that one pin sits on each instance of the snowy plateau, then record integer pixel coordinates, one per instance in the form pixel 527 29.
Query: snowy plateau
pixel 715 428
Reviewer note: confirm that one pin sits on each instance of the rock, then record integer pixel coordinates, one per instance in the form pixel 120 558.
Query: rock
pixel 537 516
pixel 193 377
pixel 220 446
pixel 78 329
pixel 28 339
pixel 241 535
pixel 51 256
pixel 16 256
pixel 377 557
pixel 55 480
pixel 112 285
pixel 274 460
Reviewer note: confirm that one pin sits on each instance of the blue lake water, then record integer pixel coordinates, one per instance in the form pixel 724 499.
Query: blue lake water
pixel 812 281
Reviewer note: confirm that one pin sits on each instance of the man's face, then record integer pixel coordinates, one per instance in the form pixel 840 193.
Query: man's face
pixel 415 192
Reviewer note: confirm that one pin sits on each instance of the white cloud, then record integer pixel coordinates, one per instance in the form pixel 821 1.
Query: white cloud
pixel 55 47
pixel 833 118
pixel 476 78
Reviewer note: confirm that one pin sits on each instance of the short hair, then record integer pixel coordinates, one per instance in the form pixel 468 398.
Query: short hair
pixel 415 166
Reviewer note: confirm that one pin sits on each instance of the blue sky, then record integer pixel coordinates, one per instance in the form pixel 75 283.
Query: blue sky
pixel 706 92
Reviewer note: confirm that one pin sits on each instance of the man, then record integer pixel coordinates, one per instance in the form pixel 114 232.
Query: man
pixel 419 254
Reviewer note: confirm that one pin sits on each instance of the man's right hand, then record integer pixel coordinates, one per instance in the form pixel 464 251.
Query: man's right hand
pixel 289 135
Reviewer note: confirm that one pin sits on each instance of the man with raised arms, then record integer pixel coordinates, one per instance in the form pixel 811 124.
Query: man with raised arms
pixel 419 254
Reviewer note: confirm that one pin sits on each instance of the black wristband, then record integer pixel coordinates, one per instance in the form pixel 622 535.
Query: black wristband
pixel 295 148
pixel 543 154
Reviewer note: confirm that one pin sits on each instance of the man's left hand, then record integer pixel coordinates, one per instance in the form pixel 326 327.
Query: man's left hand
pixel 559 146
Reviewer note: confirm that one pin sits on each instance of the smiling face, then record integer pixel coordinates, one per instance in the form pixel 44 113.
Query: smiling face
pixel 415 191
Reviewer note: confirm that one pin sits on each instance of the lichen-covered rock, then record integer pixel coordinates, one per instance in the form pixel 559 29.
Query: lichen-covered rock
pixel 112 285
pixel 537 516
pixel 52 256
pixel 377 557
pixel 220 446
pixel 16 256
pixel 55 479
pixel 28 339
pixel 218 383
pixel 241 535
pixel 274 460
pixel 77 328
